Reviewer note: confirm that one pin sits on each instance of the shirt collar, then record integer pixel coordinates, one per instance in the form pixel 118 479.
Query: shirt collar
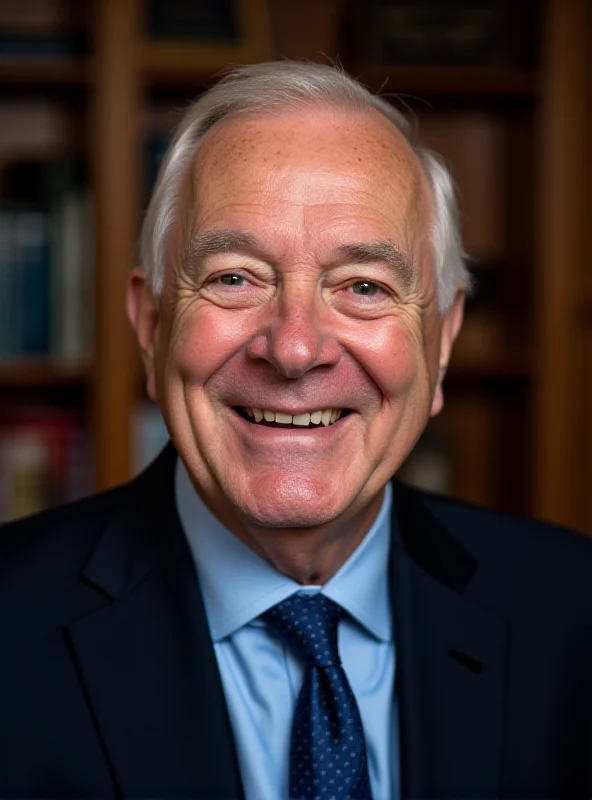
pixel 238 585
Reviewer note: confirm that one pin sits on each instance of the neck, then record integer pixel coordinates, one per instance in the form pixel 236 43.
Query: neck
pixel 311 556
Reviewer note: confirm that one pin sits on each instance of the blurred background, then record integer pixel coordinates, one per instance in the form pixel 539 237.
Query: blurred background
pixel 89 93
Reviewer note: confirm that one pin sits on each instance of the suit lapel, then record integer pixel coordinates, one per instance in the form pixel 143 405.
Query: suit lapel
pixel 146 660
pixel 450 662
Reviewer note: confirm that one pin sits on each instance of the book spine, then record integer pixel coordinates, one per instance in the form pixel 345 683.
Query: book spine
pixel 24 475
pixel 71 295
pixel 32 264
pixel 7 298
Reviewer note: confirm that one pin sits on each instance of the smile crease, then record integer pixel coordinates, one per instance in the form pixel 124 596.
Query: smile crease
pixel 324 417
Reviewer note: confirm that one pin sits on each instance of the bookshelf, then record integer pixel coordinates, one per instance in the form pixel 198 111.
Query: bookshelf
pixel 37 73
pixel 37 372
pixel 515 424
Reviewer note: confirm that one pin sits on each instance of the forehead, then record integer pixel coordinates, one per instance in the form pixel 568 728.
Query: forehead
pixel 320 160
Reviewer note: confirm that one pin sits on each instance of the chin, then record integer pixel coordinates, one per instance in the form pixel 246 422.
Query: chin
pixel 293 504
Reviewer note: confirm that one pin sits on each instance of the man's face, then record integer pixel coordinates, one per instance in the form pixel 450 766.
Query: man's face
pixel 305 287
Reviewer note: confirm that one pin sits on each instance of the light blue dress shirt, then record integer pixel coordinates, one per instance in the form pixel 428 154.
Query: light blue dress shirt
pixel 260 676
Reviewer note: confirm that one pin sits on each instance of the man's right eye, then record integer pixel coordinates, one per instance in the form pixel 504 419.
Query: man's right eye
pixel 231 279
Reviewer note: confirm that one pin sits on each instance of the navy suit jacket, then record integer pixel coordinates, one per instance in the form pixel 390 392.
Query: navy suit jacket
pixel 109 685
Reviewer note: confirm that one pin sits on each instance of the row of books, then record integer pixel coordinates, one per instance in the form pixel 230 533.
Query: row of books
pixel 46 459
pixel 46 269
pixel 46 254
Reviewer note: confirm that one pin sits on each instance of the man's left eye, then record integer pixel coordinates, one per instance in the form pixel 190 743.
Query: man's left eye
pixel 366 288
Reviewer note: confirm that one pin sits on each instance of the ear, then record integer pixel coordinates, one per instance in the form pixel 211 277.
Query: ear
pixel 450 327
pixel 143 312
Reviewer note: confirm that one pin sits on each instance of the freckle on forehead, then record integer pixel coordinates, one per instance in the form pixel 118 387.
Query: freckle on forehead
pixel 237 138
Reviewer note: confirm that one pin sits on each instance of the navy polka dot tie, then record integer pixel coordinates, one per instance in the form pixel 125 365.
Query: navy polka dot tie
pixel 328 752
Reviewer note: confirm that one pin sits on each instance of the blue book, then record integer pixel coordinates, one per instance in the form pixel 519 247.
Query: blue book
pixel 32 265
pixel 8 308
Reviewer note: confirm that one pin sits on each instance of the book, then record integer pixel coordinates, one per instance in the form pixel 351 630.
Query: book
pixel 44 459
pixel 7 291
pixel 72 250
pixel 24 476
pixel 46 261
pixel 31 266
pixel 23 282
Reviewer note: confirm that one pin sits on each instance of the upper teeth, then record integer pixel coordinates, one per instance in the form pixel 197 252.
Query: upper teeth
pixel 328 416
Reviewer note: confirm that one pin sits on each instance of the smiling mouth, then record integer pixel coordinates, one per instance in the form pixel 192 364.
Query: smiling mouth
pixel 278 419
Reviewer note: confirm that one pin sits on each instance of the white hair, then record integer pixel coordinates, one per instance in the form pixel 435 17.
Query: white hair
pixel 287 85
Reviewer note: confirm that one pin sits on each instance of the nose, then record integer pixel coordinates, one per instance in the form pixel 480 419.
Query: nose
pixel 296 336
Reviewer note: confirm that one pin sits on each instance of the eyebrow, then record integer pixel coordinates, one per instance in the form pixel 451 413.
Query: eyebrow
pixel 225 241
pixel 235 241
pixel 365 253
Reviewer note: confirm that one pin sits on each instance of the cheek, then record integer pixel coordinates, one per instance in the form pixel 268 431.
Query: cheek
pixel 391 355
pixel 202 340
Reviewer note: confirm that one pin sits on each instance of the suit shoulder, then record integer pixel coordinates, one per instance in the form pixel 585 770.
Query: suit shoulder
pixel 66 529
pixel 526 569
pixel 482 531
pixel 55 544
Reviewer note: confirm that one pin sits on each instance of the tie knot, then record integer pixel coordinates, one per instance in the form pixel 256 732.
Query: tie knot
pixel 308 625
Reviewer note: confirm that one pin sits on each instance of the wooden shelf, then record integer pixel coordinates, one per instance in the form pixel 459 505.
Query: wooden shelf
pixel 451 81
pixel 178 77
pixel 184 65
pixel 44 72
pixel 25 372
pixel 172 67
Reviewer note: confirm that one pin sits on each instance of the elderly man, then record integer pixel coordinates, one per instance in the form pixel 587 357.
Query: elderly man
pixel 264 613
